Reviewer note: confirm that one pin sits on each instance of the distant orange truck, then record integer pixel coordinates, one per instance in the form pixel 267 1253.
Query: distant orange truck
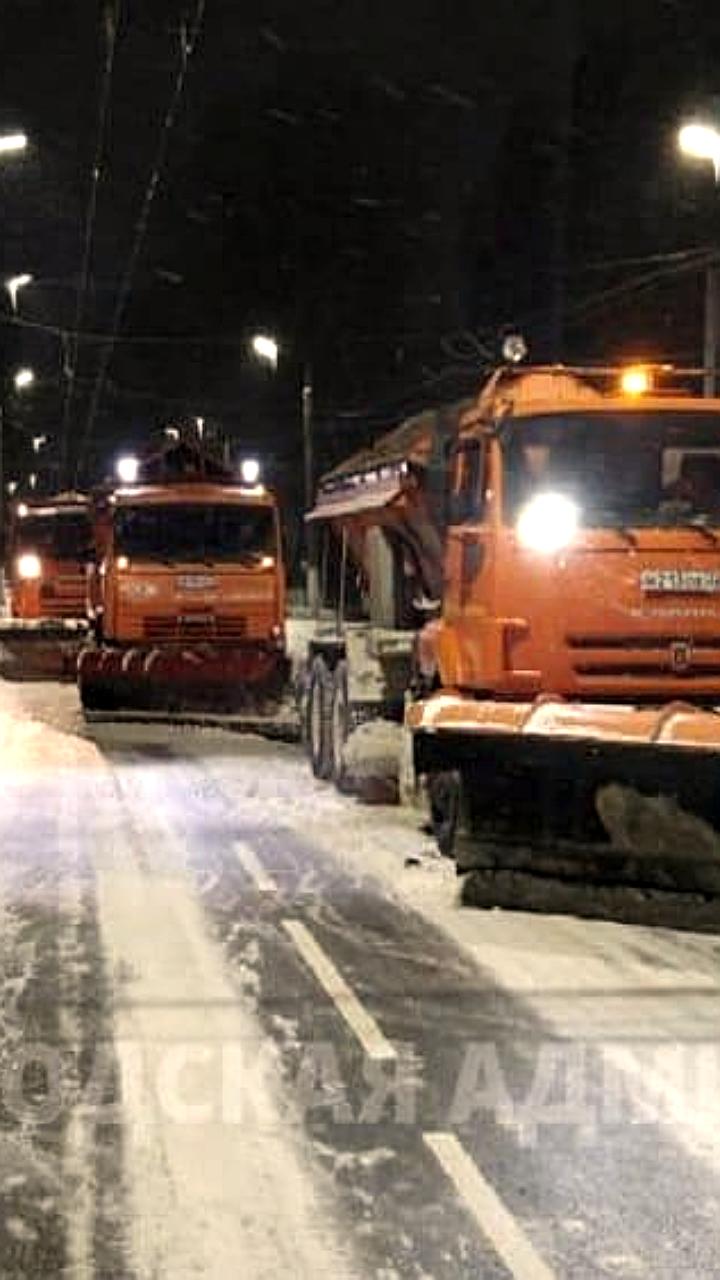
pixel 50 545
pixel 187 600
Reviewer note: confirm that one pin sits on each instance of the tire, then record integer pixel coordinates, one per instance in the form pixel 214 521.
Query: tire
pixel 301 694
pixel 339 723
pixel 447 809
pixel 319 720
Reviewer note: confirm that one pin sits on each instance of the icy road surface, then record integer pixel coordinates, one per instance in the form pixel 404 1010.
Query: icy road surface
pixel 247 1031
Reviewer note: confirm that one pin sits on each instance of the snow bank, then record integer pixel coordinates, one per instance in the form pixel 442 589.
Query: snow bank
pixel 29 745
pixel 372 757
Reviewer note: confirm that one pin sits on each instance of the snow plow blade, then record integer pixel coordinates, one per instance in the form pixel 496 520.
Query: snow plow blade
pixel 40 650
pixel 195 682
pixel 598 795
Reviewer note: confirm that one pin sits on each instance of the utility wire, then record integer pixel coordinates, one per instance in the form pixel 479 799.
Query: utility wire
pixel 129 339
pixel 637 284
pixel 613 264
pixel 112 22
pixel 188 40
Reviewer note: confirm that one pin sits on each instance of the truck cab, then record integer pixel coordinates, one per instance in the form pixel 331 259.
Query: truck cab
pixel 50 547
pixel 582 550
pixel 191 562
pixel 187 599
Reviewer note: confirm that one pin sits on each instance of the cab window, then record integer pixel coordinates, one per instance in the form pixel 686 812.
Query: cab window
pixel 466 499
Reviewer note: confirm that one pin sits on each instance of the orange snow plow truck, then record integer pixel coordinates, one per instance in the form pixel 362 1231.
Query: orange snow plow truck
pixel 187 602
pixel 557 552
pixel 49 549
pixel 567 722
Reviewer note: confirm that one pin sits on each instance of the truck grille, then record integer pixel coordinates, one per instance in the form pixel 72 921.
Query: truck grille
pixel 195 627
pixel 649 657
pixel 63 598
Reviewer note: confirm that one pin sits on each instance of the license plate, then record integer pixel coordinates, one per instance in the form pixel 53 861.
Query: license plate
pixel 196 582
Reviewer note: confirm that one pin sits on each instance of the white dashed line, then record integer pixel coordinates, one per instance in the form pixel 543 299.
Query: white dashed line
pixel 250 862
pixel 346 1002
pixel 494 1220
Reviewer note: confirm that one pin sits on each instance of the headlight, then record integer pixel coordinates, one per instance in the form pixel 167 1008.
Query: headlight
pixel 548 523
pixel 29 566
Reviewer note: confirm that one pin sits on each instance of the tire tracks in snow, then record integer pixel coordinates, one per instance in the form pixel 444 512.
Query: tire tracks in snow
pixel 565 1180
pixel 209 1190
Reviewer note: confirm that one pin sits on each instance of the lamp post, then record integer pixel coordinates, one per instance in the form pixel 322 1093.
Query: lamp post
pixel 14 285
pixel 699 140
pixel 10 144
pixel 267 349
pixel 22 379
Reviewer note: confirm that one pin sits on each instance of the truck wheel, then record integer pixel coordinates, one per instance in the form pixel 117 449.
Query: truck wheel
pixel 445 793
pixel 319 720
pixel 339 723
pixel 301 694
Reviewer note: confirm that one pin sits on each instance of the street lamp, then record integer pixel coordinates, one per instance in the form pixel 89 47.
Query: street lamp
pixel 23 379
pixel 267 349
pixel 15 284
pixel 10 142
pixel 701 141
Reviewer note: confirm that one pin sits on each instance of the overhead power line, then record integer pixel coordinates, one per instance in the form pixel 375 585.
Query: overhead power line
pixel 638 284
pixel 111 23
pixel 94 337
pixel 188 40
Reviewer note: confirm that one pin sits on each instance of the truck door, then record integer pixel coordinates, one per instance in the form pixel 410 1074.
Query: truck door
pixel 467 566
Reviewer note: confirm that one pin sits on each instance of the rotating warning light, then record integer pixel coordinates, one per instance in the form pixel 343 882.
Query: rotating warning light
pixel 636 380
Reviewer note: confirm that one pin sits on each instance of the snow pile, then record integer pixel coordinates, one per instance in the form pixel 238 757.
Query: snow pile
pixel 34 746
pixel 372 757
pixel 655 824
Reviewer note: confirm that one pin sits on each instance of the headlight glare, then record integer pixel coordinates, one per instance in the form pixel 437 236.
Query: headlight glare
pixel 29 567
pixel 548 522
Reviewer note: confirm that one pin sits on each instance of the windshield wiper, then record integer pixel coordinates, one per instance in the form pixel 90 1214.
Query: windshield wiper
pixel 700 527
pixel 624 532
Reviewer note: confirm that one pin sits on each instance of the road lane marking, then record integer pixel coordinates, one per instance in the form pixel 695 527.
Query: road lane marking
pixel 250 862
pixel 209 1144
pixel 495 1221
pixel 346 1002
pixel 80 1135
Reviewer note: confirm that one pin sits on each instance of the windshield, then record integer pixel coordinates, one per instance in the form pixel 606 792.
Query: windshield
pixel 195 533
pixel 65 535
pixel 660 468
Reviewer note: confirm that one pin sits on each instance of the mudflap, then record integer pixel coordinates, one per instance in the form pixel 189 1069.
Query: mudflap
pixel 521 812
pixel 37 652
pixel 174 681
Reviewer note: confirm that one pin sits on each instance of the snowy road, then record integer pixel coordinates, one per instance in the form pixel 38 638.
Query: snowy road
pixel 247 1031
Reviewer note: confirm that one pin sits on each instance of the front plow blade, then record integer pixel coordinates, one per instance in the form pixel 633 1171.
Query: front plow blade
pixel 581 796
pixel 192 682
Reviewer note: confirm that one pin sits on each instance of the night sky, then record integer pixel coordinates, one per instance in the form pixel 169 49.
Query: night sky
pixel 385 187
